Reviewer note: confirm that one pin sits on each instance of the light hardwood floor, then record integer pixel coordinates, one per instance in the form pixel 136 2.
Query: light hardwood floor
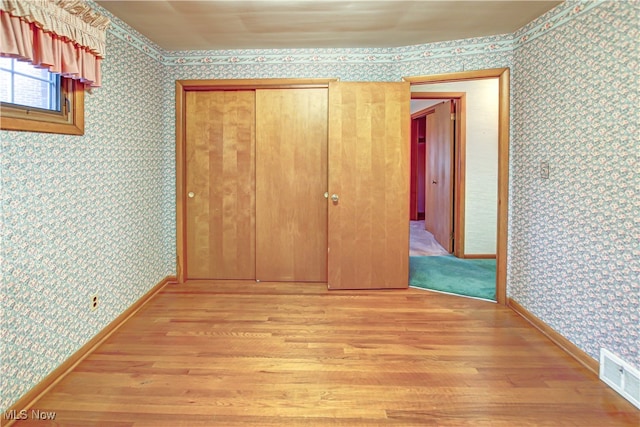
pixel 259 354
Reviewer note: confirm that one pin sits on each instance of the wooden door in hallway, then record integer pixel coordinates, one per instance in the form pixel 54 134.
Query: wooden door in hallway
pixel 369 129
pixel 439 172
pixel 219 182
pixel 291 179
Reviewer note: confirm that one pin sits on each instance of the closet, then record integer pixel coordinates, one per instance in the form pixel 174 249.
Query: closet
pixel 220 178
pixel 256 174
pixel 291 179
pixel 293 182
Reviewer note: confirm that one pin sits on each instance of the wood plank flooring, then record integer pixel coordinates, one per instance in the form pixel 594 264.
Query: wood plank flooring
pixel 274 354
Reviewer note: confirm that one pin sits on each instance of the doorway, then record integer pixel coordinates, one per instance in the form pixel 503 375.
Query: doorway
pixel 437 162
pixel 436 262
pixel 501 193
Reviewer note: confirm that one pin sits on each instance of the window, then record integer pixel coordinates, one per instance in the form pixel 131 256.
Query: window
pixel 25 85
pixel 36 100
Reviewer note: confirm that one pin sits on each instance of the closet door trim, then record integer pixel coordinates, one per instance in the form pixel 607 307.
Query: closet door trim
pixel 184 86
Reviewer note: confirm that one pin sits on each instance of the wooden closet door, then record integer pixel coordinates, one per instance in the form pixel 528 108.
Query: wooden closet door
pixel 291 178
pixel 368 232
pixel 220 169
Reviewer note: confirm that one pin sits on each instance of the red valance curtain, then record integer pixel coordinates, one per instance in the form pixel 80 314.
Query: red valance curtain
pixel 64 36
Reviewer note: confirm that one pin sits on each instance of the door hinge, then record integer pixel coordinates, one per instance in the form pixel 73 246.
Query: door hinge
pixel 453 116
pixel 451 236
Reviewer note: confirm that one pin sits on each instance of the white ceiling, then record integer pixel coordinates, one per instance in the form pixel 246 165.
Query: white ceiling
pixel 218 25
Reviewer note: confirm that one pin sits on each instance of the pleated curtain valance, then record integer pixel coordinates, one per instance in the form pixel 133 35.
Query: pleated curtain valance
pixel 64 36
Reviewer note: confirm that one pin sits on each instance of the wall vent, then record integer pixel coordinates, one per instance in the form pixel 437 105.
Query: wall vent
pixel 620 376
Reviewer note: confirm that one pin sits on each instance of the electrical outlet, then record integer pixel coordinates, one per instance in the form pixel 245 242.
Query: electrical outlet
pixel 544 170
pixel 94 302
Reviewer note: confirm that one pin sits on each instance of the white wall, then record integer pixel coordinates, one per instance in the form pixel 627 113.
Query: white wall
pixel 481 198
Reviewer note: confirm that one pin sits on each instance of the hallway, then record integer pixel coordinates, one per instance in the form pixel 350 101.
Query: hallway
pixel 422 242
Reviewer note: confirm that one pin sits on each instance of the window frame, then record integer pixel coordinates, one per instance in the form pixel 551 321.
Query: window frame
pixel 68 121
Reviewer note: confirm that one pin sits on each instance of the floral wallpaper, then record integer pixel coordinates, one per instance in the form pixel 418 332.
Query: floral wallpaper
pixel 573 238
pixel 83 216
pixel 96 214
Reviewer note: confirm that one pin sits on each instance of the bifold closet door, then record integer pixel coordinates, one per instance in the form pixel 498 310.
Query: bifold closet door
pixel 291 179
pixel 369 129
pixel 220 186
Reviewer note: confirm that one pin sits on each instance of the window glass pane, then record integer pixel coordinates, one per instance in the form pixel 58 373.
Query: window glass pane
pixel 54 92
pixel 5 63
pixel 5 86
pixel 24 85
pixel 30 70
pixel 31 92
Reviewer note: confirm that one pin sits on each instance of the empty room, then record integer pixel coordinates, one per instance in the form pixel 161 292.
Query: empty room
pixel 210 212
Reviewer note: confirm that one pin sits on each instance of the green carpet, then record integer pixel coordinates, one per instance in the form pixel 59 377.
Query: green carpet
pixel 469 277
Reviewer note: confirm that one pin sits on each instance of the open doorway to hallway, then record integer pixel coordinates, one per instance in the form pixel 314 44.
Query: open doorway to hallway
pixel 454 187
pixel 433 168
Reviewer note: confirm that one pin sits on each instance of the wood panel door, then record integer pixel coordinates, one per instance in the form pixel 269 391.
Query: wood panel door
pixel 369 148
pixel 439 185
pixel 413 195
pixel 220 169
pixel 291 179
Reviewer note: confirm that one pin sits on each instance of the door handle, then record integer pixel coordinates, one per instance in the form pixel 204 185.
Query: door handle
pixel 334 198
pixel 191 194
pixel 434 182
